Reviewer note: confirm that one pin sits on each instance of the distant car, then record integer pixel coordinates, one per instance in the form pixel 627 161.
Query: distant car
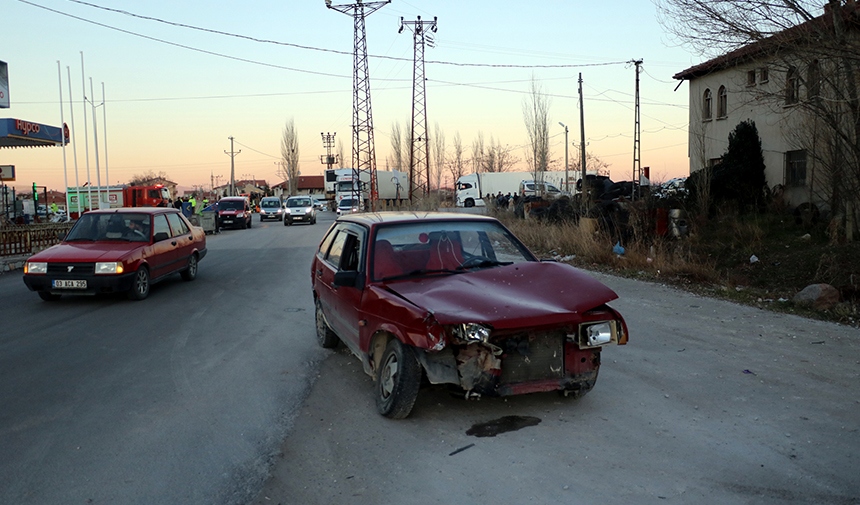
pixel 460 300
pixel 318 205
pixel 348 206
pixel 271 208
pixel 299 209
pixel 117 250
pixel 234 212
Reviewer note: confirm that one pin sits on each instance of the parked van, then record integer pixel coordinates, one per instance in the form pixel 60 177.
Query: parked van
pixel 545 189
pixel 271 208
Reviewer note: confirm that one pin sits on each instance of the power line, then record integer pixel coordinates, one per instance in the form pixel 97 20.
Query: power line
pixel 312 48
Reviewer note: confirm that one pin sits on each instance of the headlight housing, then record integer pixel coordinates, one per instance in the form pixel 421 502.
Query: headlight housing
pixel 472 332
pixel 596 334
pixel 36 267
pixel 109 267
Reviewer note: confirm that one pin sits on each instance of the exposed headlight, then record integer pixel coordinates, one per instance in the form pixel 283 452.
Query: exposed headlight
pixel 287 211
pixel 473 332
pixel 36 267
pixel 309 210
pixel 109 267
pixel 596 334
pixel 240 214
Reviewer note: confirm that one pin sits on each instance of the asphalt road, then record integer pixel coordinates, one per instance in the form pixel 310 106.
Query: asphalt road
pixel 710 403
pixel 182 398
pixel 199 393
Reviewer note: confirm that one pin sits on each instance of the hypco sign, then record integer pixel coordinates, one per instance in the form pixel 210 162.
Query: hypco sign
pixel 4 85
pixel 27 127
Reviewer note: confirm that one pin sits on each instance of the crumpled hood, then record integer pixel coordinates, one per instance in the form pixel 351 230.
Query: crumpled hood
pixel 512 296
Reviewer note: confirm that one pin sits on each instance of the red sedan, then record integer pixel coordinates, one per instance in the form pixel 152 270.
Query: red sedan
pixel 459 300
pixel 116 250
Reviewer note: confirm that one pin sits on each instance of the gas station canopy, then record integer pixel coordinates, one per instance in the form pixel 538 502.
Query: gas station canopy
pixel 19 133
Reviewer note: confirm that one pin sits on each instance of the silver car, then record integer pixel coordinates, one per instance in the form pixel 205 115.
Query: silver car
pixel 271 208
pixel 299 209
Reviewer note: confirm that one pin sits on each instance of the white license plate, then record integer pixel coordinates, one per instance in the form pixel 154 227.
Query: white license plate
pixel 228 221
pixel 63 284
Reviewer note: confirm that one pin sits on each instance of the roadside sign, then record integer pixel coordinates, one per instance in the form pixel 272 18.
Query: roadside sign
pixel 7 173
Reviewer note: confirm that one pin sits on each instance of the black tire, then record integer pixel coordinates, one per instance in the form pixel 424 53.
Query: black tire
pixel 48 297
pixel 325 336
pixel 141 284
pixel 469 202
pixel 397 381
pixel 250 222
pixel 576 394
pixel 286 223
pixel 261 218
pixel 190 272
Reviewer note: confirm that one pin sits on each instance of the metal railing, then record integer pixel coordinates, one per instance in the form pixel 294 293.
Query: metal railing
pixel 27 239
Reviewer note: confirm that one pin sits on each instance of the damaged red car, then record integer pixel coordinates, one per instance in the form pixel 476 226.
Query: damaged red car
pixel 457 299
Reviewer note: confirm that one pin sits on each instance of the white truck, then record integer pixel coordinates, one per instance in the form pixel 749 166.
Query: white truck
pixel 392 185
pixel 472 188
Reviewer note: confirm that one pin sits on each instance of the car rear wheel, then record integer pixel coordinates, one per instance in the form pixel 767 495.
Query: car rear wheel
pixel 325 336
pixel 397 381
pixel 250 222
pixel 190 273
pixel 48 297
pixel 140 286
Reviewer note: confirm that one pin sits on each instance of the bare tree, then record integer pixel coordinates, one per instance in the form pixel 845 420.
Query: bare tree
pixel 536 117
pixel 457 162
pixel 341 160
pixel 396 155
pixel 478 153
pixel 439 156
pixel 147 177
pixel 290 154
pixel 499 158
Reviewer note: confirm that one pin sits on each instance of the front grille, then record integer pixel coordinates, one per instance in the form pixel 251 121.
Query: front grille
pixel 62 269
pixel 532 356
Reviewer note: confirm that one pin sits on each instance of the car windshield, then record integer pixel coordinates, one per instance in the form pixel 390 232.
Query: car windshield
pixel 270 204
pixel 230 205
pixel 345 203
pixel 112 227
pixel 299 202
pixel 432 247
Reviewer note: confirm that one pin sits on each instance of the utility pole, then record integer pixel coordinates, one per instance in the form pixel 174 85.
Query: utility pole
pixel 232 154
pixel 419 145
pixel 584 191
pixel 363 147
pixel 637 138
pixel 328 142
pixel 566 180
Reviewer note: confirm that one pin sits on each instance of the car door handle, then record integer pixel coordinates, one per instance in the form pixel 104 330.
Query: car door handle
pixel 173 243
pixel 319 273
pixel 334 286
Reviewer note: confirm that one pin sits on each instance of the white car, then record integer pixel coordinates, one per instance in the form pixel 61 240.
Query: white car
pixel 348 206
pixel 299 209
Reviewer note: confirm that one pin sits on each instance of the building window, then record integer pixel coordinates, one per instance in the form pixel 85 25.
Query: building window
pixel 792 86
pixel 762 75
pixel 751 78
pixel 722 102
pixel 706 105
pixel 795 168
pixel 813 78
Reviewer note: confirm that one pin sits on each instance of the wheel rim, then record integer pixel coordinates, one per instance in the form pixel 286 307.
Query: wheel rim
pixel 320 324
pixel 192 266
pixel 388 376
pixel 142 283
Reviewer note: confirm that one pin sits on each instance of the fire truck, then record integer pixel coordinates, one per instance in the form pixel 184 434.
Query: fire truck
pixel 115 197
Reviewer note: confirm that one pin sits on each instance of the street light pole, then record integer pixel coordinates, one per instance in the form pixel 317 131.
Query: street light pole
pixel 566 179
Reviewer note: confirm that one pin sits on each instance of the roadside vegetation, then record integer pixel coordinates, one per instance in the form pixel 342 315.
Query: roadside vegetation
pixel 761 259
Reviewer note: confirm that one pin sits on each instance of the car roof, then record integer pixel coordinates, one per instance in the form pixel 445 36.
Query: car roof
pixel 139 210
pixel 377 218
pixel 234 198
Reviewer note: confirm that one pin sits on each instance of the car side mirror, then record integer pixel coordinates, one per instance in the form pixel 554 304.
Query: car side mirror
pixel 349 278
pixel 160 236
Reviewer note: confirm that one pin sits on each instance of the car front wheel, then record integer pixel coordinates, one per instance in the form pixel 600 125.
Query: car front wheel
pixel 325 336
pixel 397 381
pixel 140 287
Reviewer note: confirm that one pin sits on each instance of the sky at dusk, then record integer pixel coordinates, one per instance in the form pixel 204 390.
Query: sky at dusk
pixel 174 94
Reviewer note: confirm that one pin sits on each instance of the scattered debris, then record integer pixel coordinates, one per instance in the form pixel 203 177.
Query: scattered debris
pixel 753 259
pixel 618 249
pixel 750 372
pixel 461 449
pixel 817 343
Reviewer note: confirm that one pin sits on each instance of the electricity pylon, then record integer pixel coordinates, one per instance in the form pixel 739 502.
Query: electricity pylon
pixel 419 151
pixel 363 147
pixel 637 138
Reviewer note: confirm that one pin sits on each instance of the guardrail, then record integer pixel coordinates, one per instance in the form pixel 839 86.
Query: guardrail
pixel 28 239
